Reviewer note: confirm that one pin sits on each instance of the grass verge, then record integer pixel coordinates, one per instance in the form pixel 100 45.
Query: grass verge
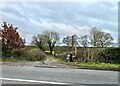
pixel 91 65
pixel 94 65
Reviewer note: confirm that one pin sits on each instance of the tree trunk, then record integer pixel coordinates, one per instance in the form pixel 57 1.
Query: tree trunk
pixel 51 49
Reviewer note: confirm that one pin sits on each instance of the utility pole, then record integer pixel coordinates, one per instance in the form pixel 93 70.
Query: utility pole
pixel 74 47
pixel 72 44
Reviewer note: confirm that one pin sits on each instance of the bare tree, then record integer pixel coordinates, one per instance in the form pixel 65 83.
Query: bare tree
pixel 71 40
pixel 51 37
pixel 84 40
pixel 68 40
pixel 39 41
pixel 99 38
pixel 48 38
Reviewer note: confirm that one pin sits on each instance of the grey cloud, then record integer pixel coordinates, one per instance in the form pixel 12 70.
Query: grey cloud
pixel 66 18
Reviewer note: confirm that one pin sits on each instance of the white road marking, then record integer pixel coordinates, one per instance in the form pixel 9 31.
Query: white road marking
pixel 34 81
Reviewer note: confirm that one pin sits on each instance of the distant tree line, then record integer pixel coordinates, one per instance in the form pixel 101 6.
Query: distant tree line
pixel 97 38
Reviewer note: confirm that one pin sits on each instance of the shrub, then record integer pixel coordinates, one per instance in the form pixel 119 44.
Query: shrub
pixel 36 54
pixel 61 56
pixel 110 55
pixel 88 54
pixel 27 53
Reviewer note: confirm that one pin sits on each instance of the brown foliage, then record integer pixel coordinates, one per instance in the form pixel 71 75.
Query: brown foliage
pixel 11 37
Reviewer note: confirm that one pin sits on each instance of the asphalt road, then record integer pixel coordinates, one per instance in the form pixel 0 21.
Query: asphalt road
pixel 61 76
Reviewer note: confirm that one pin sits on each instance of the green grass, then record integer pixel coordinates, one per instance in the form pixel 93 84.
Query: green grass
pixel 91 65
pixel 94 65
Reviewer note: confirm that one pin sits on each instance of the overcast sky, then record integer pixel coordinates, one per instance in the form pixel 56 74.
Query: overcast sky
pixel 68 18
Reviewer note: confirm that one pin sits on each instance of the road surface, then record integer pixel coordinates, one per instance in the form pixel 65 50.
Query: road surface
pixel 61 76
